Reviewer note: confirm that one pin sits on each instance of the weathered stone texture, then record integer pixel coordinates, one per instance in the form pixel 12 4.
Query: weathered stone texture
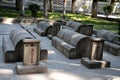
pixel 71 44
pixel 43 28
pixel 79 27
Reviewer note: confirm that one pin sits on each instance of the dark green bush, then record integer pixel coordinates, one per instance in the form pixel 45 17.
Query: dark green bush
pixel 108 9
pixel 34 8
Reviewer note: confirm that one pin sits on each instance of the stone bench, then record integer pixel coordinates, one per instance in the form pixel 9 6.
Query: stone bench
pixel 71 44
pixel 43 28
pixel 112 43
pixel 79 27
pixel 13 45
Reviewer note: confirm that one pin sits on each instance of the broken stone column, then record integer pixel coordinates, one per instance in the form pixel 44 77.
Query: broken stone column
pixel 96 54
pixel 31 64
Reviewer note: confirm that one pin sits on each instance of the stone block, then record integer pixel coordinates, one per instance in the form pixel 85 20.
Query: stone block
pixel 43 28
pixel 49 37
pixel 55 28
pixel 40 32
pixel 86 29
pixel 112 48
pixel 93 64
pixel 43 54
pixel 61 33
pixel 53 41
pixel 70 43
pixel 24 69
pixel 8 50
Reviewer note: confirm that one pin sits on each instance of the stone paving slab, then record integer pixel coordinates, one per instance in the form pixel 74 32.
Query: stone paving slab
pixel 59 67
pixel 6 28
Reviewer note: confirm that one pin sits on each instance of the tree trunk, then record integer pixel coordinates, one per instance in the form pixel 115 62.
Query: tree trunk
pixel 22 7
pixel 45 11
pixel 51 5
pixel 112 2
pixel 119 29
pixel 94 9
pixel 64 8
pixel 73 8
pixel 18 4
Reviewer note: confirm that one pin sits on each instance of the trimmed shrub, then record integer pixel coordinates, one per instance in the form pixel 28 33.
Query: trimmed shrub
pixel 108 10
pixel 34 8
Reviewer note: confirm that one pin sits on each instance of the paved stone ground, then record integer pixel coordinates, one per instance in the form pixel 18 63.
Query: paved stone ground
pixel 59 67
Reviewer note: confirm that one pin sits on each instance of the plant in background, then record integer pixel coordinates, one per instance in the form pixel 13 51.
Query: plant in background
pixel 84 8
pixel 34 8
pixel 108 10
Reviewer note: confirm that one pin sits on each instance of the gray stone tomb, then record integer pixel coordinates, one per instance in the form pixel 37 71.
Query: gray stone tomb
pixel 96 54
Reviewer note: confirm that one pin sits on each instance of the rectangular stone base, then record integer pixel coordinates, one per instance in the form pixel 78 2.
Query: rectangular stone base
pixel 93 64
pixel 25 69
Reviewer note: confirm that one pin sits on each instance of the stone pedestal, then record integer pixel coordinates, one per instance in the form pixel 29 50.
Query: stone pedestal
pixel 31 64
pixel 24 69
pixel 93 64
pixel 96 53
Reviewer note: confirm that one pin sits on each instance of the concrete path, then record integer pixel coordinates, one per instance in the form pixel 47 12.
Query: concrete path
pixel 59 67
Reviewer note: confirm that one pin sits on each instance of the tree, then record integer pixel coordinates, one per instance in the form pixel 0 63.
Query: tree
pixel 45 10
pixel 20 6
pixel 108 9
pixel 94 9
pixel 51 5
pixel 17 3
pixel 112 2
pixel 64 8
pixel 73 6
pixel 119 29
pixel 34 8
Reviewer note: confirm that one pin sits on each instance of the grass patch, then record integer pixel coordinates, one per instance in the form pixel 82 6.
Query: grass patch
pixel 97 22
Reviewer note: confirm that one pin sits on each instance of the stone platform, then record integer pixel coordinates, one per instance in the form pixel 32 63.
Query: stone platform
pixel 59 67
pixel 93 64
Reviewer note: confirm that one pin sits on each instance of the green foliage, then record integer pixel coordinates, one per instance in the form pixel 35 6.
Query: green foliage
pixel 84 7
pixel 34 8
pixel 108 9
pixel 98 23
pixel 117 0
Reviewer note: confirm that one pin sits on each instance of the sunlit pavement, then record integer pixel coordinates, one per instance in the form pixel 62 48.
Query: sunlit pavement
pixel 59 67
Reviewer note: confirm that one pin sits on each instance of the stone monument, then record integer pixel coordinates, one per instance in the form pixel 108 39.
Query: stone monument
pixel 96 54
pixel 31 64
